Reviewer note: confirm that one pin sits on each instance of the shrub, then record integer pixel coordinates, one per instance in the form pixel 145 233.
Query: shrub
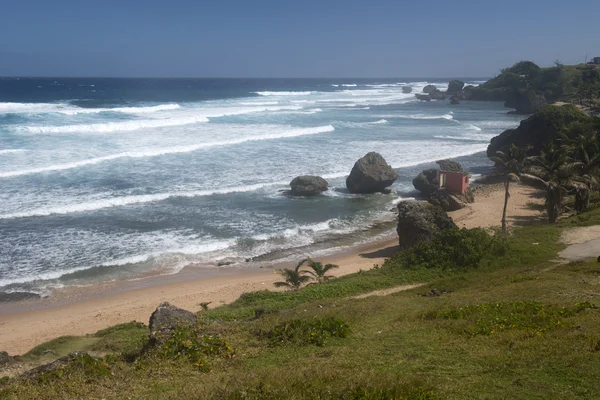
pixel 303 332
pixel 188 342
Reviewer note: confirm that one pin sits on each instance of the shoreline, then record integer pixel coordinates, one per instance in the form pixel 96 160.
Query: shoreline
pixel 78 312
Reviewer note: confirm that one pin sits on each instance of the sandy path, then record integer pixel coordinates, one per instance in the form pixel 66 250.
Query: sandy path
pixel 584 243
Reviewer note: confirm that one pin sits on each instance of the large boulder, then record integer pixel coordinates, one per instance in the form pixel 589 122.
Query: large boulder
pixel 371 174
pixel 538 129
pixel 437 95
pixel 427 182
pixel 419 222
pixel 4 358
pixel 166 318
pixel 450 165
pixel 525 102
pixel 455 86
pixel 308 185
pixel 406 89
pixel 451 201
pixel 429 89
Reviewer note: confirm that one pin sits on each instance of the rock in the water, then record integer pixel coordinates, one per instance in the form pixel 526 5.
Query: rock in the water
pixel 525 102
pixel 406 89
pixel 455 86
pixel 451 201
pixel 419 222
pixel 4 358
pixel 423 97
pixel 308 185
pixel 538 129
pixel 166 318
pixel 449 165
pixel 427 182
pixel 429 89
pixel 370 174
pixel 437 95
pixel 454 100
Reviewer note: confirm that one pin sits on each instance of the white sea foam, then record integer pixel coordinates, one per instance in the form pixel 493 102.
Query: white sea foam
pixel 199 115
pixel 259 103
pixel 379 122
pixel 285 133
pixel 423 116
pixel 67 109
pixel 11 151
pixel 349 84
pixel 283 93
pixel 465 138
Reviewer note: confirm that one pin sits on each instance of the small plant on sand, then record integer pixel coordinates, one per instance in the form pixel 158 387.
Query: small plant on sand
pixel 204 305
pixel 319 271
pixel 294 278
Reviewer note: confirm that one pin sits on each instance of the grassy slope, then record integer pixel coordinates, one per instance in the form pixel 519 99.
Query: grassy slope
pixel 401 346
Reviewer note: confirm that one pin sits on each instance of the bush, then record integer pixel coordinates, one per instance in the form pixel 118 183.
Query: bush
pixel 188 342
pixel 303 332
pixel 451 249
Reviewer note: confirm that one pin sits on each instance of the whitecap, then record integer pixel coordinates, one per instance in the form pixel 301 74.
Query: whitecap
pixel 282 93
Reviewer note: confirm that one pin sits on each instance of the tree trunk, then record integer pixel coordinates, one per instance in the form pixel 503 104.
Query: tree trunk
pixel 553 202
pixel 506 196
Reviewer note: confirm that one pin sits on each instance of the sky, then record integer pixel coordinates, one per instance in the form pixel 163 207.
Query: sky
pixel 291 38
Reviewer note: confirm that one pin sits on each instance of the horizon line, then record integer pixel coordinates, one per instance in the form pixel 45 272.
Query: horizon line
pixel 223 77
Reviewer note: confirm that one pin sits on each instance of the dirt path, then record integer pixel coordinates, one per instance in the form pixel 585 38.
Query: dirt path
pixel 583 243
pixel 388 291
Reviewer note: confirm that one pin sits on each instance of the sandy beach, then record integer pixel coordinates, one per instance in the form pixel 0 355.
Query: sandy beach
pixel 25 325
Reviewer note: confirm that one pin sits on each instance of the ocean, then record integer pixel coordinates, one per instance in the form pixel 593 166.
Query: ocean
pixel 112 179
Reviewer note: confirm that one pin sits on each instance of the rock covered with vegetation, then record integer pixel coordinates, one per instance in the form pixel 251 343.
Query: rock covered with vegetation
pixel 419 222
pixel 371 174
pixel 538 130
pixel 308 185
pixel 526 101
pixel 166 318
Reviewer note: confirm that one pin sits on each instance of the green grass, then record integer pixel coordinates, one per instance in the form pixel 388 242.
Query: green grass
pixel 518 326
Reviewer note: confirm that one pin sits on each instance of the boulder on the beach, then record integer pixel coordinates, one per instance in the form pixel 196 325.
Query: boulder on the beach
pixel 4 358
pixel 308 185
pixel 370 174
pixel 166 318
pixel 419 222
pixel 406 89
pixel 538 130
pixel 525 102
pixel 423 97
pixel 455 86
pixel 450 165
pixel 427 182
pixel 429 89
pixel 451 201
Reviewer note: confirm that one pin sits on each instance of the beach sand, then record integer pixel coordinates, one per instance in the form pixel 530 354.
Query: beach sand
pixel 87 310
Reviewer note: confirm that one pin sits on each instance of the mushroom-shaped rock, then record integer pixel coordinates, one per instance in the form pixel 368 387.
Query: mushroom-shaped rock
pixel 427 182
pixel 419 222
pixel 308 185
pixel 370 174
pixel 455 86
pixel 406 89
pixel 429 89
pixel 449 165
pixel 166 318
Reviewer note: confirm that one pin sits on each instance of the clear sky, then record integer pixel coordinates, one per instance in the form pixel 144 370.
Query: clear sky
pixel 291 38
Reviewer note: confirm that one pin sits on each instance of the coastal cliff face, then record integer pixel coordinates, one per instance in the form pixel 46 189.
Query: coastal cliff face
pixel 538 130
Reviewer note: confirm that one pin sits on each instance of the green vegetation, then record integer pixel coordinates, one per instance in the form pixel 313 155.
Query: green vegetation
pixel 507 323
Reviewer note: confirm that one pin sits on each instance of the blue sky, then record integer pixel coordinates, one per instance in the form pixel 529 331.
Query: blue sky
pixel 291 38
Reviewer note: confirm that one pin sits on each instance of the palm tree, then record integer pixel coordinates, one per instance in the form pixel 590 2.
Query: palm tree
pixel 559 171
pixel 319 271
pixel 294 278
pixel 512 162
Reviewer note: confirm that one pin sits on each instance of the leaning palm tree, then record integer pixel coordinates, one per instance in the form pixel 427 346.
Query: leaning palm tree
pixel 512 162
pixel 319 271
pixel 294 278
pixel 560 173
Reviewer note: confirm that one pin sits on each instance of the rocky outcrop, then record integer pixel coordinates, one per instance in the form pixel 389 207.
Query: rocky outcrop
pixel 4 358
pixel 525 102
pixel 538 129
pixel 419 222
pixel 308 185
pixel 450 201
pixel 429 89
pixel 406 89
pixel 454 100
pixel 423 97
pixel 370 174
pixel 427 182
pixel 61 363
pixel 450 165
pixel 455 86
pixel 437 95
pixel 166 318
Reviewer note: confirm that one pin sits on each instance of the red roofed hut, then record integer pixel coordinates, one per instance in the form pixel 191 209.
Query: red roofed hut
pixel 454 182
